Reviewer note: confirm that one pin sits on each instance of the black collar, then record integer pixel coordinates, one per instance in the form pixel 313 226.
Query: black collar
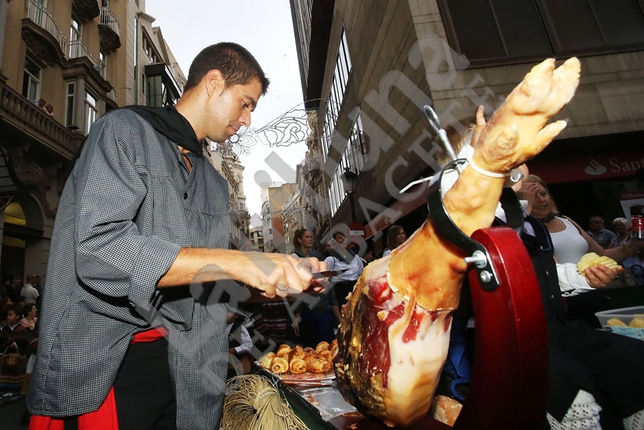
pixel 170 123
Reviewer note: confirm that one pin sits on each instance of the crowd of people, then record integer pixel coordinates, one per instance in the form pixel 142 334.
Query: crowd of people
pixel 19 325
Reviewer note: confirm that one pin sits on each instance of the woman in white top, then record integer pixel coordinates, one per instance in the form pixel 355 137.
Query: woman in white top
pixel 570 241
pixel 342 258
pixel 396 236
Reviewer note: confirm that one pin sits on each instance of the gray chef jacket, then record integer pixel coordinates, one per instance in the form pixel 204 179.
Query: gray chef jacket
pixel 127 208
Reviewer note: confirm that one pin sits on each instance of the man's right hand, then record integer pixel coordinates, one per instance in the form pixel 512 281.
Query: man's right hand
pixel 277 274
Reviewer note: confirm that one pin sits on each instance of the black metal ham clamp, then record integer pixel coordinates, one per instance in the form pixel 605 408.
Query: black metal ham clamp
pixel 445 227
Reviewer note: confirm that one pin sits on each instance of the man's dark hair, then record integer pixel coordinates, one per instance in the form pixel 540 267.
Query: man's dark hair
pixel 236 64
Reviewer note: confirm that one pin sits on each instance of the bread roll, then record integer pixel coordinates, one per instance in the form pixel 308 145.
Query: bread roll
pixel 297 366
pixel 316 364
pixel 283 351
pixel 297 352
pixel 279 365
pixel 333 347
pixel 322 346
pixel 637 322
pixel 615 322
pixel 327 355
pixel 265 360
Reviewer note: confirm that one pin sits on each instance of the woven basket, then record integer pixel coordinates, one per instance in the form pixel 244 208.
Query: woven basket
pixel 9 360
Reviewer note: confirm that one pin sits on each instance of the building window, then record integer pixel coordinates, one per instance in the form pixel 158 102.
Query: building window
pixel 353 155
pixel 488 31
pixel 75 38
pixel 103 60
pixel 155 94
pixel 336 95
pixel 69 104
pixel 31 80
pixel 91 111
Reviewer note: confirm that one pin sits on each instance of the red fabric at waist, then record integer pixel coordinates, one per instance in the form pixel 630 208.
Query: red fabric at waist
pixel 150 335
pixel 105 417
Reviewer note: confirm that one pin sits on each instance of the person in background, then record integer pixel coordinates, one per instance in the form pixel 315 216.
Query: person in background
pixel 10 328
pixel 5 286
pixel 50 109
pixel 570 243
pixel 342 258
pixel 15 289
pixel 28 291
pixel 303 242
pixel 29 318
pixel 597 231
pixel 368 256
pixel 634 266
pixel 41 103
pixel 13 338
pixel 318 314
pixel 396 236
pixel 139 245
pixel 591 371
pixel 340 238
pixel 239 344
pixel 37 285
pixel 623 229
pixel 569 239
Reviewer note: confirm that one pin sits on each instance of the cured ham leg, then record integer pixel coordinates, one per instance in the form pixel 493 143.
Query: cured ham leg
pixel 395 327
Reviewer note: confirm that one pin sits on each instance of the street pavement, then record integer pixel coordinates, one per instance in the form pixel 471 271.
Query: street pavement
pixel 10 414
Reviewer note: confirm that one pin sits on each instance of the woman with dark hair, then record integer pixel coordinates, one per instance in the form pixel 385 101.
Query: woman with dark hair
pixel 396 236
pixel 319 312
pixel 29 318
pixel 303 243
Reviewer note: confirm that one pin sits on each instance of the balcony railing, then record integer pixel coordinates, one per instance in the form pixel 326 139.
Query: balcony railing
pixel 109 19
pixel 78 50
pixel 24 115
pixel 43 18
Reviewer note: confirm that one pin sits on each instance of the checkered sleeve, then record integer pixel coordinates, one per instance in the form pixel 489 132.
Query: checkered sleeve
pixel 113 257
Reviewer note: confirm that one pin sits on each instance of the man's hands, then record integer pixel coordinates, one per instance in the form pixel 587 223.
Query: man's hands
pixel 278 274
pixel 270 273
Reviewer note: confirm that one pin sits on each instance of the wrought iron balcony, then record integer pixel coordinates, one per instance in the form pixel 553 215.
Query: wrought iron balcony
pixel 78 50
pixel 108 29
pixel 42 35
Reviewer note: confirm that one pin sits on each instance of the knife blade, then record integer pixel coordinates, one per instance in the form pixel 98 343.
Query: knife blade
pixel 328 273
